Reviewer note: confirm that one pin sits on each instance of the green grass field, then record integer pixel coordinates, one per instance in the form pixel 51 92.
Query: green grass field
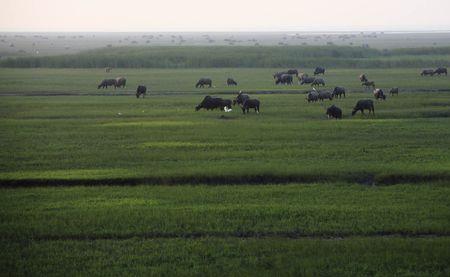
pixel 283 192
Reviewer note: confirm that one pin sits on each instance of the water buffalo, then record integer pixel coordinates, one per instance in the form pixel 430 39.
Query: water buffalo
pixel 323 94
pixel 426 72
pixel 306 80
pixel 393 91
pixel 204 82
pixel 121 82
pixel 368 84
pixel 318 82
pixel 319 70
pixel 334 112
pixel 441 70
pixel 338 91
pixel 250 104
pixel 211 103
pixel 312 96
pixel 107 83
pixel 379 94
pixel 108 69
pixel 240 98
pixel 362 105
pixel 277 75
pixel 292 72
pixel 141 90
pixel 363 78
pixel 231 82
pixel 284 79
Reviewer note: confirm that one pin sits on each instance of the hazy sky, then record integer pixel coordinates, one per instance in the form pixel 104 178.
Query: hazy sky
pixel 223 15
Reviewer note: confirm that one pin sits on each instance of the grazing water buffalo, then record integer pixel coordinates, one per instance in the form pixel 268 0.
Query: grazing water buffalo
pixel 325 95
pixel 319 70
pixel 312 96
pixel 250 104
pixel 306 80
pixel 334 112
pixel 121 82
pixel 393 91
pixel 204 82
pixel 107 83
pixel 363 78
pixel 362 105
pixel 441 70
pixel 318 82
pixel 231 82
pixel 426 72
pixel 141 90
pixel 368 84
pixel 379 94
pixel 284 79
pixel 240 98
pixel 338 91
pixel 211 103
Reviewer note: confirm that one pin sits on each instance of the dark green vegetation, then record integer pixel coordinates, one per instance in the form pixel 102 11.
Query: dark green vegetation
pixel 240 56
pixel 236 230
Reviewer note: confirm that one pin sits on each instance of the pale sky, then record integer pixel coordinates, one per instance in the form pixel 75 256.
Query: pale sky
pixel 223 15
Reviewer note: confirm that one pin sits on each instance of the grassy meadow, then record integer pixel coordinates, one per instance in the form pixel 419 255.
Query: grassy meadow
pixel 97 182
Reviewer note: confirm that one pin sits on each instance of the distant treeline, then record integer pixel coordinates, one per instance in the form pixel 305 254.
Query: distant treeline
pixel 240 56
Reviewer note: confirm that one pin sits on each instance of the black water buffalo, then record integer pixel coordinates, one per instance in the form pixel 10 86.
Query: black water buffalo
pixel 211 103
pixel 441 70
pixel 363 78
pixel 277 75
pixel 241 98
pixel 319 70
pixel 284 79
pixel 306 80
pixel 323 94
pixel 312 96
pixel 121 82
pixel 204 82
pixel 334 112
pixel 107 83
pixel 292 72
pixel 426 72
pixel 362 105
pixel 141 90
pixel 318 82
pixel 393 91
pixel 250 104
pixel 379 94
pixel 368 84
pixel 231 82
pixel 338 91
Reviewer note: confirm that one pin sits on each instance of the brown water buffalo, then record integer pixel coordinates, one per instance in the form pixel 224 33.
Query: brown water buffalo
pixel 427 72
pixel 338 91
pixel 319 70
pixel 393 91
pixel 379 94
pixel 362 105
pixel 334 112
pixel 121 82
pixel 141 90
pixel 203 82
pixel 441 70
pixel 107 83
pixel 318 82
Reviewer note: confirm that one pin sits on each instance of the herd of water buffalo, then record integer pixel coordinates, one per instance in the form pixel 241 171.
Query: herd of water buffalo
pixel 284 78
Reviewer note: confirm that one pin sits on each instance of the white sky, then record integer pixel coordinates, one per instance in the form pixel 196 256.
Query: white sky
pixel 223 15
